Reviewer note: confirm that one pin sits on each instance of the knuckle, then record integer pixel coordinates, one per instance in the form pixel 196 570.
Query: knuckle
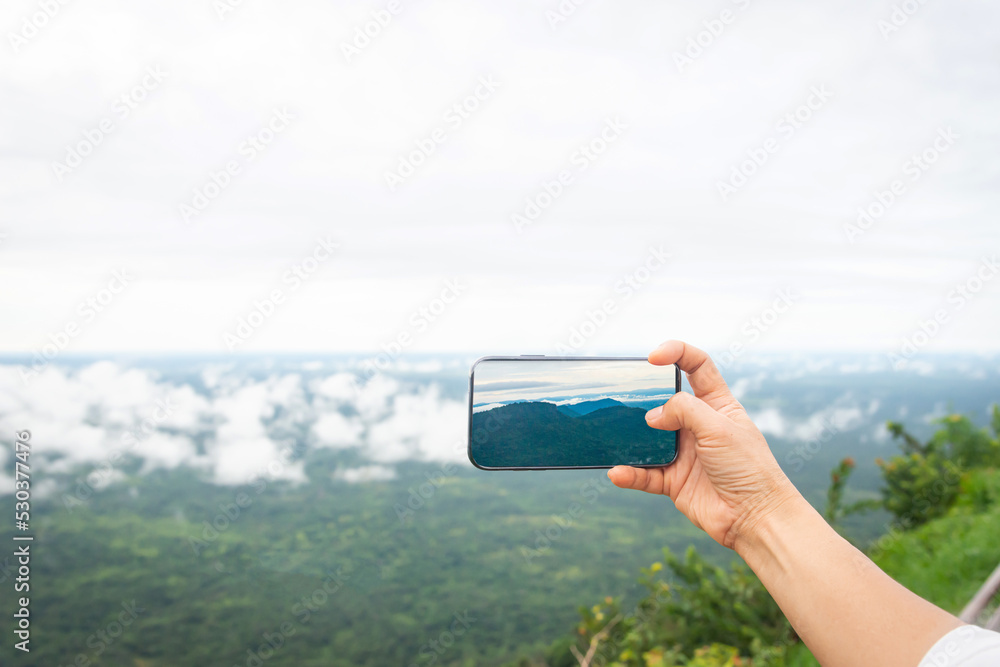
pixel 680 399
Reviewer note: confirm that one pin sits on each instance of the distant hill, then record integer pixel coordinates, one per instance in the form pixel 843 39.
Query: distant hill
pixel 540 434
pixel 586 407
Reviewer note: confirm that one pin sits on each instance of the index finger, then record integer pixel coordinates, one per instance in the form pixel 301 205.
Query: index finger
pixel 703 376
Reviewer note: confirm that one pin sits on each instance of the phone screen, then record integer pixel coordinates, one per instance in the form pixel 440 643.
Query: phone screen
pixel 544 413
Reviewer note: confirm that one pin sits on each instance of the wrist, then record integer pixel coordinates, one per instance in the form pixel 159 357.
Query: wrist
pixel 778 518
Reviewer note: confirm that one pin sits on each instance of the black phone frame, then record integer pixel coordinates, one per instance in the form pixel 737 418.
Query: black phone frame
pixel 542 357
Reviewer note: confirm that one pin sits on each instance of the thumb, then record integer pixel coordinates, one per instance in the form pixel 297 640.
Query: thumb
pixel 684 411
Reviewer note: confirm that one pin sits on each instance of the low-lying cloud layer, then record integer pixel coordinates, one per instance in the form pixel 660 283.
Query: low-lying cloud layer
pixel 225 422
pixel 234 422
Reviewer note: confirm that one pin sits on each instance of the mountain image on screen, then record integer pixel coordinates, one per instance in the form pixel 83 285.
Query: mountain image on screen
pixel 598 433
pixel 586 407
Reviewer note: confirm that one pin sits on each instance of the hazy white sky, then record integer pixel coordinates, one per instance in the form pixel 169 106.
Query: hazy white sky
pixel 505 380
pixel 443 239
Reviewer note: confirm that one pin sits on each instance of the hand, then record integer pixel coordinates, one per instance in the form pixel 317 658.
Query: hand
pixel 725 479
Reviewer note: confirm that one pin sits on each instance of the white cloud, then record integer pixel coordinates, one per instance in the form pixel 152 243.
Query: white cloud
pixel 242 412
pixel 213 375
pixel 770 422
pixel 160 450
pixel 835 418
pixel 372 400
pixel 286 390
pixel 78 443
pixel 42 489
pixel 340 387
pixel 80 416
pixel 189 411
pixel 84 416
pixel 422 426
pixel 881 433
pixel 333 429
pixel 240 461
pixel 745 385
pixel 373 473
pixel 241 448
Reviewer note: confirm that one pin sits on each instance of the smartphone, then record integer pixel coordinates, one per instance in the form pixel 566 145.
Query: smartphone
pixel 561 413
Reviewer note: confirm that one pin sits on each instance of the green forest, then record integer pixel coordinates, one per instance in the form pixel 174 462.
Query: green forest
pixel 538 434
pixel 448 566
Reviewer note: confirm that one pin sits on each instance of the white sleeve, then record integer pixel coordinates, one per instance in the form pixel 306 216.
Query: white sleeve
pixel 967 646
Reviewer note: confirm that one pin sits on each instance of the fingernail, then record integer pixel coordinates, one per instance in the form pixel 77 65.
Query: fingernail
pixel 654 413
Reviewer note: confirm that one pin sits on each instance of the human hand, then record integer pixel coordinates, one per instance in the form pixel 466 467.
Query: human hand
pixel 725 479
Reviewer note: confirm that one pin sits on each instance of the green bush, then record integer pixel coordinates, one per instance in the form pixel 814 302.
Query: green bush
pixel 919 487
pixel 696 613
pixel 965 444
pixel 924 482
pixel 946 560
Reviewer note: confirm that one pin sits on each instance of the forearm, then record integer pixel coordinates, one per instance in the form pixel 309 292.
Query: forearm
pixel 847 611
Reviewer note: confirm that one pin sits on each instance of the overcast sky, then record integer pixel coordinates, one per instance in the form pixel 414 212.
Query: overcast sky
pixel 443 238
pixel 505 380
